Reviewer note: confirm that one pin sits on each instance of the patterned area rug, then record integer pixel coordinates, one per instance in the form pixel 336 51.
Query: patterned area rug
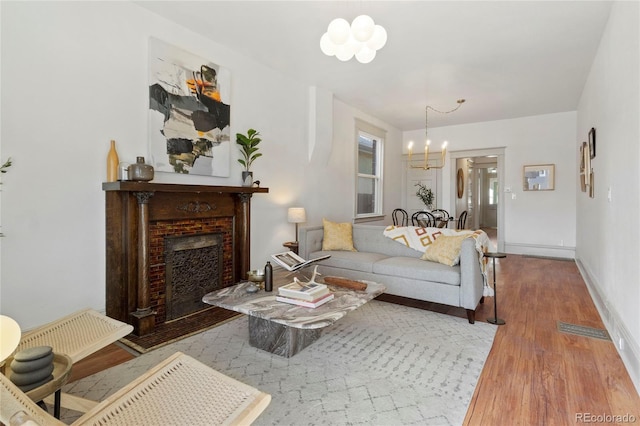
pixel 383 364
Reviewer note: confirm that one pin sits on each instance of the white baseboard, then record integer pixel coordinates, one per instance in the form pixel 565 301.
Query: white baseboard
pixel 626 346
pixel 564 252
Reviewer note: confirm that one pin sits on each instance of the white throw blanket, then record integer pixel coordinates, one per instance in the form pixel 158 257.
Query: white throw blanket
pixel 420 239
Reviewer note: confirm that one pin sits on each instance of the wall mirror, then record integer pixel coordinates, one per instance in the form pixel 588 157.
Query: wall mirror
pixel 539 177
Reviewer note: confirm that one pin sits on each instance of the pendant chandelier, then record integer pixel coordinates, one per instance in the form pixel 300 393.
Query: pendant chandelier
pixel 362 39
pixel 426 165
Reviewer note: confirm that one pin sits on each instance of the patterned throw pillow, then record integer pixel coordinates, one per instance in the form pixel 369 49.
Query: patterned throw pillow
pixel 337 236
pixel 445 249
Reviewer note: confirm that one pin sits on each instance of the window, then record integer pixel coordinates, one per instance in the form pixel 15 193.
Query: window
pixel 369 173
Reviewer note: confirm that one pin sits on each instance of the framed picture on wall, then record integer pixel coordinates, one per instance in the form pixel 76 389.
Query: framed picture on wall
pixel 592 143
pixel 583 179
pixel 539 177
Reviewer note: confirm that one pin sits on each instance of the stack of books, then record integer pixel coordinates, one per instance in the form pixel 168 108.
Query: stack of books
pixel 310 295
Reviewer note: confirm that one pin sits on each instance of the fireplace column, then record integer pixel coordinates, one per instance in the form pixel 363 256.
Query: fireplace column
pixel 144 316
pixel 243 213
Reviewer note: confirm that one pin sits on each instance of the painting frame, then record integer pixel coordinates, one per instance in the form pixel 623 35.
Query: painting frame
pixel 189 115
pixel 539 177
pixel 592 143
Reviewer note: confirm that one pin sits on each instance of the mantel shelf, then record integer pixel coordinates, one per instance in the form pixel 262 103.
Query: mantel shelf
pixel 129 186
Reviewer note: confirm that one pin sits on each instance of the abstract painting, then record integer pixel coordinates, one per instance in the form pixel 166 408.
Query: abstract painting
pixel 189 112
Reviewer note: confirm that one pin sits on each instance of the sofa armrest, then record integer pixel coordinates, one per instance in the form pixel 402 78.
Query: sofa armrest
pixel 309 240
pixel 471 279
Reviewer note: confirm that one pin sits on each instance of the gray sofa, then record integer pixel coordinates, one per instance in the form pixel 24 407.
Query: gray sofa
pixel 400 268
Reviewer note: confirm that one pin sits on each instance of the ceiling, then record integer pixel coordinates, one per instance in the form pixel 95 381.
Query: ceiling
pixel 506 58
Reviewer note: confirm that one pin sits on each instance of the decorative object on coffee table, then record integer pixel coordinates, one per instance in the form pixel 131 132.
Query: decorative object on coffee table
pixel 495 320
pixel 249 149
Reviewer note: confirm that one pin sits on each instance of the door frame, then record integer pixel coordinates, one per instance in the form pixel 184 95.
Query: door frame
pixel 449 182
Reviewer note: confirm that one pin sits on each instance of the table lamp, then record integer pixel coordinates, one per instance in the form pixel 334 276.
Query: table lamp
pixel 9 337
pixel 296 215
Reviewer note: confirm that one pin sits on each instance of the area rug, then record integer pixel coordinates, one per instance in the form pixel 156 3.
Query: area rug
pixel 383 364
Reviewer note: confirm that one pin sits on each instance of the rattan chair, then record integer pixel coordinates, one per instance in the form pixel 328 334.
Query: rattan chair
pixel 178 391
pixel 77 335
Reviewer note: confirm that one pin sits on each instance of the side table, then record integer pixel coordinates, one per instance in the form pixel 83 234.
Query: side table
pixel 292 245
pixel 61 372
pixel 495 319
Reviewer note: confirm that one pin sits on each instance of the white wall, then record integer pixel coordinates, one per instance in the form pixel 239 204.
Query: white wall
pixel 74 76
pixel 535 222
pixel 608 238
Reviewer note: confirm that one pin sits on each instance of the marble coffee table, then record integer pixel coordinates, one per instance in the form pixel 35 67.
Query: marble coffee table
pixel 282 328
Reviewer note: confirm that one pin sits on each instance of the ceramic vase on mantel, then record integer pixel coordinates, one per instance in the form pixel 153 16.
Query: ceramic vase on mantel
pixel 112 163
pixel 140 171
pixel 247 178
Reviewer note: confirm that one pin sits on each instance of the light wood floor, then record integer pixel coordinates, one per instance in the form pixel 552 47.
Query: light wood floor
pixel 534 375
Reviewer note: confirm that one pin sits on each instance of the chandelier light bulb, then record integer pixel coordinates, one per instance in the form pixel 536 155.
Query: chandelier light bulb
pixel 365 55
pixel 362 28
pixel 344 52
pixel 326 45
pixel 354 45
pixel 339 30
pixel 378 38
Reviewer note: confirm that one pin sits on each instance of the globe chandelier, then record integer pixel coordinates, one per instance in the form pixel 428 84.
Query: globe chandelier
pixel 362 39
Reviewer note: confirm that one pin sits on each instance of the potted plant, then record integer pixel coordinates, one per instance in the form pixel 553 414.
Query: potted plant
pixel 248 145
pixel 426 195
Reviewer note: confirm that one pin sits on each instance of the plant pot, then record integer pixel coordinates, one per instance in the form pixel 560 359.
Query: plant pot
pixel 247 178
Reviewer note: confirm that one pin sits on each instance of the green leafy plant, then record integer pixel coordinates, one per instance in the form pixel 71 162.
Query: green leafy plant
pixel 248 147
pixel 5 166
pixel 425 194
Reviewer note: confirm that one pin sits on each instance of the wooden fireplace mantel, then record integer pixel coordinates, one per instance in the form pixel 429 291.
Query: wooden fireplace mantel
pixel 132 206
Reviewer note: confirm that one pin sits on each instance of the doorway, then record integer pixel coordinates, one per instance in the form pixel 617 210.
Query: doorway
pixel 482 174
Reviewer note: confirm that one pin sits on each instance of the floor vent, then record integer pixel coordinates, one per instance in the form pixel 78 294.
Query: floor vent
pixel 581 330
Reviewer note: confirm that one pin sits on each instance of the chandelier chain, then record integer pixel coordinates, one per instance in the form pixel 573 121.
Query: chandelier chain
pixel 429 107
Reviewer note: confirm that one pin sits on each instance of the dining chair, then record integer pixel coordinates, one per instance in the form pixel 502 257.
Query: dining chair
pixel 462 220
pixel 423 219
pixel 404 217
pixel 442 217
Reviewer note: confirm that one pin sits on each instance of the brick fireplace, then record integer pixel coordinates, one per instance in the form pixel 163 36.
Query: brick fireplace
pixel 167 245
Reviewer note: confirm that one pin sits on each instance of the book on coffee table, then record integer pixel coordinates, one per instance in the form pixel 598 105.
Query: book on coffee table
pixel 292 262
pixel 309 292
pixel 308 304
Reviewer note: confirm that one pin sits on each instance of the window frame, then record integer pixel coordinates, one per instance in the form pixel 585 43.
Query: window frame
pixel 378 135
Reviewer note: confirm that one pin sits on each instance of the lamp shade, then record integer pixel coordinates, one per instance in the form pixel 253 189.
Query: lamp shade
pixel 296 215
pixel 9 336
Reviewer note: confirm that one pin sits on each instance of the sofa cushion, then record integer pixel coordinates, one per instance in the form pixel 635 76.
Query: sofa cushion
pixel 337 236
pixel 445 249
pixel 354 260
pixel 417 269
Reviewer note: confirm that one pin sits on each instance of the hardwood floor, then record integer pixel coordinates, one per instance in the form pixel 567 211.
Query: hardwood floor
pixel 534 374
